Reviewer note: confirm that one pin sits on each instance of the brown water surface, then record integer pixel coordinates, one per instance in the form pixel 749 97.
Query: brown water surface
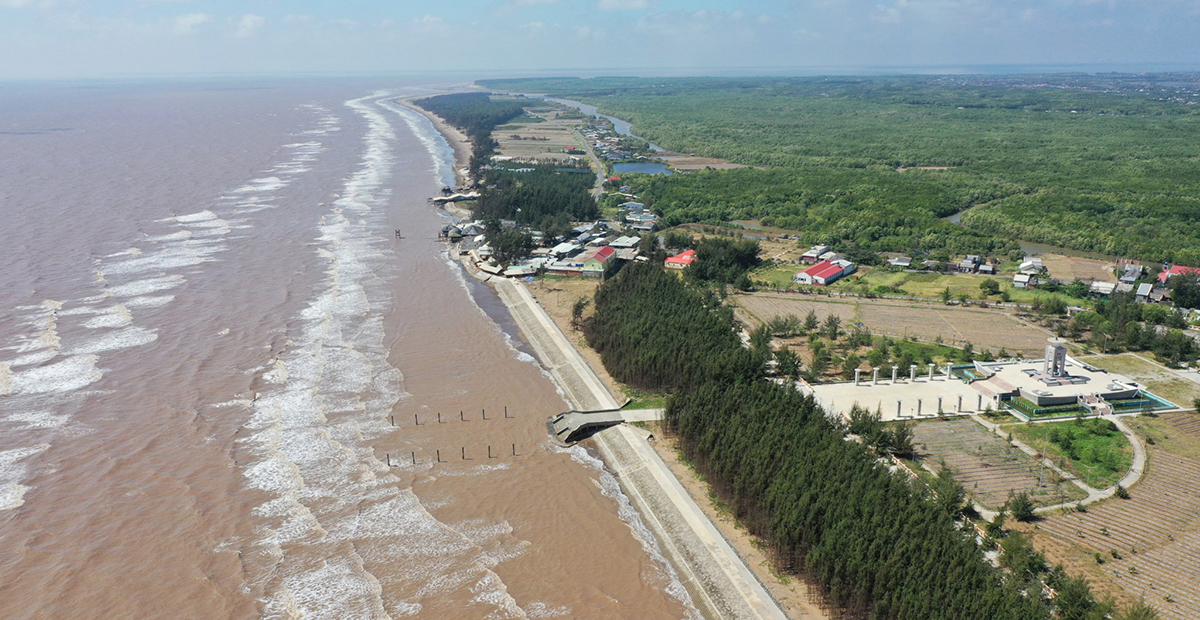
pixel 207 329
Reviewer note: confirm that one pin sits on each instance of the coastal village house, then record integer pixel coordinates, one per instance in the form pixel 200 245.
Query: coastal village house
pixel 824 273
pixel 594 265
pixel 681 260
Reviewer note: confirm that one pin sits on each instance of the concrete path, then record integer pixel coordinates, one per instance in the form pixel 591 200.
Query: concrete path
pixel 642 415
pixel 1136 468
pixel 721 585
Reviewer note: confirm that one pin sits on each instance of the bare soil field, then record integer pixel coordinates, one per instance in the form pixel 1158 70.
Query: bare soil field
pixel 1148 543
pixel 690 162
pixel 954 325
pixel 1069 268
pixel 540 141
pixel 987 466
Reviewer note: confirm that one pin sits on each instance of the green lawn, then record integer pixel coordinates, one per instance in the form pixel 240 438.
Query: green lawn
pixel 1092 449
pixel 778 275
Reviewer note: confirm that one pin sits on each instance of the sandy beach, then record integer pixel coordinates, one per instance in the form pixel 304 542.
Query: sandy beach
pixel 455 138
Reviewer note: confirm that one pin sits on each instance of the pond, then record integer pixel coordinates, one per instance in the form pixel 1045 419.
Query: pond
pixel 642 168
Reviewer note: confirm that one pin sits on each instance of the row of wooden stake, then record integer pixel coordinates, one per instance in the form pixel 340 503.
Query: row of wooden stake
pixel 438 457
pixel 462 416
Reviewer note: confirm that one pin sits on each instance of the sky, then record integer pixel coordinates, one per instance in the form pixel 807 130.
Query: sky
pixel 112 38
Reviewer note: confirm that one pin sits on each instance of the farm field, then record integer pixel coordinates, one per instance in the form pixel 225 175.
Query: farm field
pixel 1070 268
pixel 542 140
pixel 954 325
pixel 1177 433
pixel 931 285
pixel 1093 450
pixel 1161 381
pixel 1155 534
pixel 987 466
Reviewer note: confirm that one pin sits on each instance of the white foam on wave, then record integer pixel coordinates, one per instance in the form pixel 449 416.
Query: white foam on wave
pixel 182 235
pixel 116 316
pixel 12 472
pixel 70 374
pixel 199 216
pixel 329 390
pixel 149 301
pixel 37 419
pixel 115 340
pixel 145 286
pixel 610 488
pixel 265 184
pixel 431 139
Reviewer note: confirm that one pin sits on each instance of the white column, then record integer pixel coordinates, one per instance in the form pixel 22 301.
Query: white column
pixel 898 408
pixel 918 406
pixel 949 367
pixel 939 405
pixel 894 370
pixel 959 410
pixel 979 405
pixel 912 372
pixel 875 377
pixel 857 373
pixel 931 372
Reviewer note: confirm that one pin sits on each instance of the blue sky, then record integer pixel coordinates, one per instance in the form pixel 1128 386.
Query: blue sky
pixel 95 38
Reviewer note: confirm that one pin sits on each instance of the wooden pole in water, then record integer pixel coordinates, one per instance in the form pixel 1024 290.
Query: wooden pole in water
pixel 439 417
pixel 417 418
pixel 490 453
pixel 389 459
pixel 514 449
pixel 414 457
pixel 461 416
pixel 393 418
pixel 485 414
pixel 506 412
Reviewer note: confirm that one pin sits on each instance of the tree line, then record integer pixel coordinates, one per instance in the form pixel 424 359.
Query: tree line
pixel 873 542
pixel 476 115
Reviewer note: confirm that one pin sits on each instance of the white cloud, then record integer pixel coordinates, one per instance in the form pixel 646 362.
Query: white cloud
pixel 249 25
pixel 185 24
pixel 14 4
pixel 623 5
pixel 428 19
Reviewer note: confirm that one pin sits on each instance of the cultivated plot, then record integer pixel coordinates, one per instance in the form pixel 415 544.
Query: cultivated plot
pixel 1148 543
pixel 986 465
pixel 953 325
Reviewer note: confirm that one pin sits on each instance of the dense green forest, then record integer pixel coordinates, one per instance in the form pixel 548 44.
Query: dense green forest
pixel 538 197
pixel 476 115
pixel 654 332
pixel 825 506
pixel 1094 171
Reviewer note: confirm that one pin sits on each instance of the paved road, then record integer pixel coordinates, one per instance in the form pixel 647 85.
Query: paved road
pixel 721 584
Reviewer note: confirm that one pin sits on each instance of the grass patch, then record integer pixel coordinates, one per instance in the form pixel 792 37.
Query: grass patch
pixel 1092 449
pixel 931 285
pixel 640 399
pixel 1159 432
pixel 1160 381
pixel 778 275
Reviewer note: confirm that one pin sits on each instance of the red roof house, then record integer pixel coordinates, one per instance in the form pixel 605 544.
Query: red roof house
pixel 681 260
pixel 821 273
pixel 1176 270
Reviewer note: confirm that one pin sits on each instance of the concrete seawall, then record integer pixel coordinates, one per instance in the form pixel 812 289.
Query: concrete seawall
pixel 721 585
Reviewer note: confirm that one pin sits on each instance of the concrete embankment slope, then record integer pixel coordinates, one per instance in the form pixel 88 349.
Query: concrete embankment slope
pixel 719 582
